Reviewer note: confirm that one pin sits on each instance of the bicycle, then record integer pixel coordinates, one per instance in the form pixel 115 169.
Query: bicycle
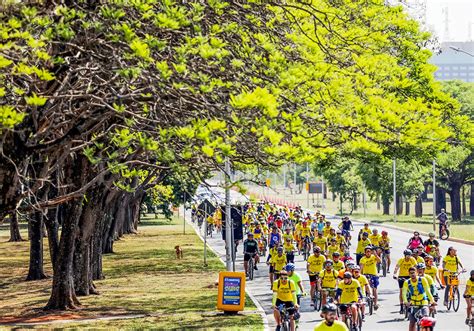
pixel 251 266
pixel 444 231
pixel 453 294
pixel 471 321
pixel 346 315
pixel 262 247
pixel 317 298
pixel 418 315
pixel 285 318
pixel 305 248
pixel 370 304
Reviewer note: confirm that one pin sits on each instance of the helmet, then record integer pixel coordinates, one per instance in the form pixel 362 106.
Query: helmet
pixel 316 249
pixel 375 231
pixel 367 247
pixel 472 272
pixel 347 275
pixel 420 266
pixel 339 232
pixel 356 267
pixel 328 262
pixel 283 272
pixel 384 233
pixel 365 234
pixel 280 249
pixel 329 307
pixel 431 234
pixel 290 267
pixel 427 321
pixel 407 252
pixel 336 254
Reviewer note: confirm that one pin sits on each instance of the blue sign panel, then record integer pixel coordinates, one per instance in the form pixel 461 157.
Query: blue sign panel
pixel 231 293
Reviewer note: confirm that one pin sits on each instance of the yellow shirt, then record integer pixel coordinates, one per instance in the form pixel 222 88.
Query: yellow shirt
pixel 284 291
pixel 328 278
pixel 417 298
pixel 429 279
pixel 375 239
pixel 470 285
pixel 419 259
pixel 405 265
pixel 210 220
pixel 315 263
pixel 332 249
pixel 337 326
pixel 384 242
pixel 320 242
pixel 339 265
pixel 362 281
pixel 349 292
pixel 287 236
pixel 431 271
pixel 288 248
pixel 326 230
pixel 304 231
pixel 368 230
pixel 451 264
pixel 369 265
pixel 279 262
pixel 339 240
pixel 361 244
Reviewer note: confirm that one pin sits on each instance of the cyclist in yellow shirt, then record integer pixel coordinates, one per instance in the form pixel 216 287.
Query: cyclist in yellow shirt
pixel 362 243
pixel 420 296
pixel 384 243
pixel 450 265
pixel 305 232
pixel 284 293
pixel 314 265
pixel 340 238
pixel 403 264
pixel 289 249
pixel 365 229
pixel 347 295
pixel 278 262
pixel 338 265
pixel 375 238
pixel 327 228
pixel 329 322
pixel 368 266
pixel 333 247
pixel 432 270
pixel 327 280
pixel 469 296
pixel 364 285
pixel 420 268
pixel 320 241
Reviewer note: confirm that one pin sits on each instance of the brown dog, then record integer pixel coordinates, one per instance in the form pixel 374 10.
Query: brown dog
pixel 179 252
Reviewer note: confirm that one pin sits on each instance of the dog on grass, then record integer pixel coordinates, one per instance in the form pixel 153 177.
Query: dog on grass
pixel 179 252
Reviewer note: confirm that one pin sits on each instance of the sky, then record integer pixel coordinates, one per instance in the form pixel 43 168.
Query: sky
pixel 460 17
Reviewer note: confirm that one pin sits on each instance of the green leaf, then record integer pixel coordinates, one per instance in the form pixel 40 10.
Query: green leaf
pixel 36 100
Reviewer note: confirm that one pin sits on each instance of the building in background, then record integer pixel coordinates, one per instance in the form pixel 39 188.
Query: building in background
pixel 455 64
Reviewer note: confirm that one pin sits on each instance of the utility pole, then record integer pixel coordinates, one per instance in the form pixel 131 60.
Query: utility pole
pixel 205 234
pixel 284 181
pixel 364 200
pixel 184 211
pixel 434 195
pixel 323 205
pixel 394 190
pixel 228 221
pixel 307 185
pixel 294 179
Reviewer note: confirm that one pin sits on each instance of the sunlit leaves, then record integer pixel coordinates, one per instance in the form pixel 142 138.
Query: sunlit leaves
pixel 258 98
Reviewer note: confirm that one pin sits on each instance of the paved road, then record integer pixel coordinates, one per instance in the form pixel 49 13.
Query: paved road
pixel 386 316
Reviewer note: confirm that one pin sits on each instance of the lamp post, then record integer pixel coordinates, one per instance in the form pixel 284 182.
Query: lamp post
pixel 459 50
pixel 394 190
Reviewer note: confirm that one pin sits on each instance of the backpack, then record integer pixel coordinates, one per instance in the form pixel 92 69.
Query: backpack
pixel 289 281
pixel 420 288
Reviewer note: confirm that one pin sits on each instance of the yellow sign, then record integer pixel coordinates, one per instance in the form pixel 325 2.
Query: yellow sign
pixel 307 186
pixel 231 291
pixel 268 182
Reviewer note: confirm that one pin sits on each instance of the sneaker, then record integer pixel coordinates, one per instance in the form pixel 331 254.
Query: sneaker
pixel 388 271
pixel 255 268
pixel 401 309
pixel 376 306
pixel 468 321
pixel 363 318
pixel 278 328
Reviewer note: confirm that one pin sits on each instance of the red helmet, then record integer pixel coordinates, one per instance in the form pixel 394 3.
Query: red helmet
pixel 384 233
pixel 428 321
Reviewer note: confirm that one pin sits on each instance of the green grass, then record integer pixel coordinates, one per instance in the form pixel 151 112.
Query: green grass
pixel 142 277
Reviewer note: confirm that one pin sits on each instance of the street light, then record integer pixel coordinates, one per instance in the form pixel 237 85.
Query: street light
pixel 457 49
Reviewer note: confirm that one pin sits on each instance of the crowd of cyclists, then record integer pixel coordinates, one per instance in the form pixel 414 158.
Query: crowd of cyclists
pixel 343 288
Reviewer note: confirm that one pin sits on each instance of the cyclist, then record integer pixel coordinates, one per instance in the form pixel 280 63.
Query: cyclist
pixel 420 296
pixel 403 264
pixel 333 247
pixel 427 324
pixel 340 240
pixel 350 265
pixel 278 262
pixel 416 255
pixel 365 229
pixel 287 235
pixel 284 293
pixel 346 227
pixel 415 241
pixel 375 238
pixel 296 278
pixel 364 285
pixel 368 266
pixel 327 280
pixel 361 245
pixel 250 251
pixel 384 244
pixel 432 246
pixel 327 228
pixel 468 295
pixel 320 241
pixel 275 237
pixel 337 263
pixel 330 322
pixel 305 232
pixel 314 265
pixel 332 234
pixel 290 249
pixel 347 295
pixel 420 268
pixel 450 265
pixel 443 220
pixel 257 231
pixel 432 270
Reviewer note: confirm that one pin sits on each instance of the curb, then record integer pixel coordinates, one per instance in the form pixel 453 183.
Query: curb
pixel 260 309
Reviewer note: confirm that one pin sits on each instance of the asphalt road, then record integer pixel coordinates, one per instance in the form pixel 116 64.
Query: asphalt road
pixel 387 316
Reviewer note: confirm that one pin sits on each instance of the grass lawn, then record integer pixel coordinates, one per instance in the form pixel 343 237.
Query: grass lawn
pixel 142 277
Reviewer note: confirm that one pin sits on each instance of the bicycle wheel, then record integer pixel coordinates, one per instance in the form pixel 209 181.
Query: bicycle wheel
pixel 286 325
pixel 405 309
pixel 370 301
pixel 250 267
pixel 456 298
pixel 450 299
pixel 316 300
pixel 444 235
pixel 384 266
pixel 359 315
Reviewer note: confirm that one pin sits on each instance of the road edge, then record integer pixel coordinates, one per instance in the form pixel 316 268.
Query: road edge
pixel 260 309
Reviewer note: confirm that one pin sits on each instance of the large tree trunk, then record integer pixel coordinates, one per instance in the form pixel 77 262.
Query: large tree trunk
pixel 463 200
pixel 52 227
pixel 15 234
pixel 407 207
pixel 354 201
pixel 35 271
pixel 455 195
pixel 378 201
pixel 471 201
pixel 386 206
pixel 440 199
pixel 399 204
pixel 419 206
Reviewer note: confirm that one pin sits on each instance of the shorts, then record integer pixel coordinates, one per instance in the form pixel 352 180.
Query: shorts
pixel 272 270
pixel 290 257
pixel 313 279
pixel 346 232
pixel 290 306
pixel 345 306
pixel 276 274
pixel 414 310
pixel 386 251
pixel 248 255
pixel 401 281
pixel 373 280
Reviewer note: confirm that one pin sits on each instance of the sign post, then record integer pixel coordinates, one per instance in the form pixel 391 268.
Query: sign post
pixel 231 291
